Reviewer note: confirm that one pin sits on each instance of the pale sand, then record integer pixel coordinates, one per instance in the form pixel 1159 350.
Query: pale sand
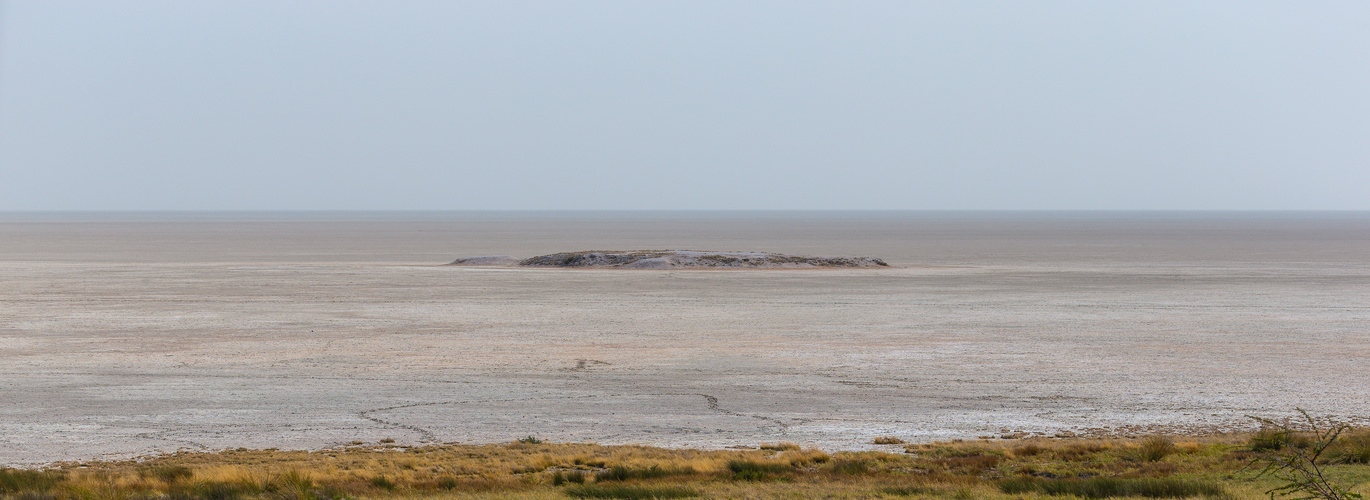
pixel 122 337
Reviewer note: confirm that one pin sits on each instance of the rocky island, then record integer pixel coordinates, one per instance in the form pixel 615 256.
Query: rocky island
pixel 673 259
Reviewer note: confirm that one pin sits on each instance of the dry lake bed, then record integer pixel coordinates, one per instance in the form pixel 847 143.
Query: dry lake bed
pixel 139 333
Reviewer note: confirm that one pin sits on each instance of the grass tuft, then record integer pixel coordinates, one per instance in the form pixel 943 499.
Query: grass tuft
pixel 171 474
pixel 446 483
pixel 751 470
pixel 382 482
pixel 804 458
pixel 779 446
pixel 1156 448
pixel 887 440
pixel 295 480
pixel 851 466
pixel 216 490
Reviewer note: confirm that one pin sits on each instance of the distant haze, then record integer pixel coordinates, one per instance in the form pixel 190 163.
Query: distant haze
pixel 269 105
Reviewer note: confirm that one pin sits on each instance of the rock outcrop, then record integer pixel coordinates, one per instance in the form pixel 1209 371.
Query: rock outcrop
pixel 489 260
pixel 674 259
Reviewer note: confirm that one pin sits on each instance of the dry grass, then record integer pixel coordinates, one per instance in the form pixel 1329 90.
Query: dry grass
pixel 1035 468
pixel 779 446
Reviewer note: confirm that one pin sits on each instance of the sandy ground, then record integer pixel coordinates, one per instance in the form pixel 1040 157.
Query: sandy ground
pixel 129 336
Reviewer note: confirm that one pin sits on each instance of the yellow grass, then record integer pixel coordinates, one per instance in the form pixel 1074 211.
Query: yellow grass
pixel 973 469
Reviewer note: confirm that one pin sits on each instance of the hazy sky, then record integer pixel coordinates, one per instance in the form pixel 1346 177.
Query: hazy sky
pixel 177 105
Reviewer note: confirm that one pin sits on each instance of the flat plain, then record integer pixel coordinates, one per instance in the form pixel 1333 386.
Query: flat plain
pixel 123 335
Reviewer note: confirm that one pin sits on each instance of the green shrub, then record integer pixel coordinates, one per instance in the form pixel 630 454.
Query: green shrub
pixel 1269 438
pixel 1302 465
pixel 1105 487
pixel 629 492
pixel 530 440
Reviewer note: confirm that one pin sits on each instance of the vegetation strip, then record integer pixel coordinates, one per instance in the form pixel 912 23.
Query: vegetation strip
pixel 1108 487
pixel 1227 467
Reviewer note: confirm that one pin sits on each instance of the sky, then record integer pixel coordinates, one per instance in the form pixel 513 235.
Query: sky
pixel 690 105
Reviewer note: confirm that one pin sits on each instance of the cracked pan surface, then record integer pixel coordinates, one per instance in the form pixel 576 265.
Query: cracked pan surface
pixel 124 337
